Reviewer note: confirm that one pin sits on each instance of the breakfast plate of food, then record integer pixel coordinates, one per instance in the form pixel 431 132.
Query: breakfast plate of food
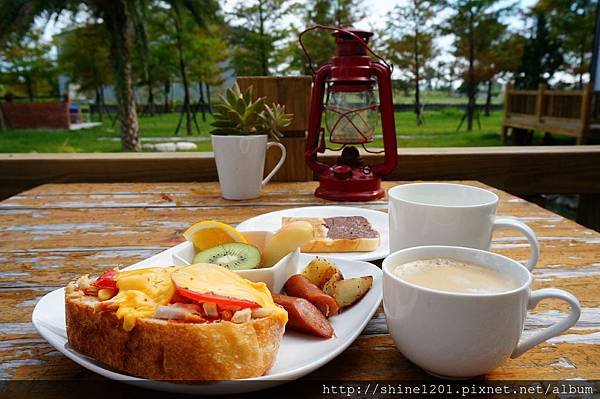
pixel 341 232
pixel 205 327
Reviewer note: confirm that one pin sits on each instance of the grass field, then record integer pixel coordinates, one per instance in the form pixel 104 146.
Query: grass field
pixel 438 131
pixel 437 97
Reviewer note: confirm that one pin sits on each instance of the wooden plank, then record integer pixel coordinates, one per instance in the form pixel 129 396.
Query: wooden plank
pixel 555 170
pixel 291 91
pixel 569 93
pixel 294 93
pixel 524 92
pixel 507 100
pixel 294 168
pixel 539 101
pixel 585 115
pixel 518 170
pixel 23 171
pixel 568 129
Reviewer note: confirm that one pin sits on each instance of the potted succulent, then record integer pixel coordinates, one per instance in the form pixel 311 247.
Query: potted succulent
pixel 239 138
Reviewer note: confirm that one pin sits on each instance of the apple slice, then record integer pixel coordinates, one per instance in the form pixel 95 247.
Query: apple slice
pixel 285 240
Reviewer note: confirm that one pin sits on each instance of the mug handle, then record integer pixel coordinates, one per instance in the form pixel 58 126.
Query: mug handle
pixel 504 223
pixel 279 164
pixel 555 329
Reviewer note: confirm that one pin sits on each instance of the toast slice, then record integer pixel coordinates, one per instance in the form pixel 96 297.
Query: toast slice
pixel 171 350
pixel 339 234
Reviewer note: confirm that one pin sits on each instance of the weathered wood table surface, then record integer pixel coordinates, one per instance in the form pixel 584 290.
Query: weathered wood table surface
pixel 53 233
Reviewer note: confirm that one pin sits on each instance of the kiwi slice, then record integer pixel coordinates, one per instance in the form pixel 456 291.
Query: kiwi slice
pixel 234 256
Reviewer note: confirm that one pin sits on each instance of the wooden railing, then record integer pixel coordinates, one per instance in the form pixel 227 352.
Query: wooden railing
pixel 530 170
pixel 554 111
pixel 523 171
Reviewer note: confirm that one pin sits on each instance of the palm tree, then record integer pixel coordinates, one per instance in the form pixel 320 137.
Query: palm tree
pixel 120 18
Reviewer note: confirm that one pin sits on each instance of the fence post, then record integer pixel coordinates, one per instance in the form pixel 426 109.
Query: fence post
pixel 293 92
pixel 540 101
pixel 507 93
pixel 585 114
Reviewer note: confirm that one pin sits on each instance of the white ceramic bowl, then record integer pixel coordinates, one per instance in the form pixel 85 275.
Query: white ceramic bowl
pixel 274 277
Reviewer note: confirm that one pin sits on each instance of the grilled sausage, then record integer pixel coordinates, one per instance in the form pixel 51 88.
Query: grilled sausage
pixel 303 316
pixel 301 287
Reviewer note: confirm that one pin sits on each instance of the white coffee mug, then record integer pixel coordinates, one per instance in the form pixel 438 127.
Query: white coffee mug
pixel 241 163
pixel 458 335
pixel 448 214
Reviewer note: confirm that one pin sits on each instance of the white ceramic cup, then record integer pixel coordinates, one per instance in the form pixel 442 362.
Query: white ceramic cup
pixel 456 335
pixel 241 164
pixel 448 214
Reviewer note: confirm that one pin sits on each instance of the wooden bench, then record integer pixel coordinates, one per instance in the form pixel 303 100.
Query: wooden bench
pixel 554 111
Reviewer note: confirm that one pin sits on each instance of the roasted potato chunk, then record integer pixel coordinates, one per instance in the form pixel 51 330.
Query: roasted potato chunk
pixel 320 271
pixel 348 291
pixel 329 287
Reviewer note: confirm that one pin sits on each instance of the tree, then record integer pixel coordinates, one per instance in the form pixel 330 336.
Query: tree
pixel 409 42
pixel 572 23
pixel 120 18
pixel 24 60
pixel 258 33
pixel 188 33
pixel 502 58
pixel 473 23
pixel 157 67
pixel 347 12
pixel 207 70
pixel 83 55
pixel 542 55
pixel 117 20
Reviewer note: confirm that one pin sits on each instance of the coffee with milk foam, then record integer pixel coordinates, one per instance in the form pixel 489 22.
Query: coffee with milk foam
pixel 451 275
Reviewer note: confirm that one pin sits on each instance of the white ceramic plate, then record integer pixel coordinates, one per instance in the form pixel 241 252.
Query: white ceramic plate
pixel 379 220
pixel 298 355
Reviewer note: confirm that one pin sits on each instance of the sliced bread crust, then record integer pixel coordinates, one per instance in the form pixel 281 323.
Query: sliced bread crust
pixel 169 350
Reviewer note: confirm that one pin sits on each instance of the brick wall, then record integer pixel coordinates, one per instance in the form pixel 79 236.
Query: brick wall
pixel 53 115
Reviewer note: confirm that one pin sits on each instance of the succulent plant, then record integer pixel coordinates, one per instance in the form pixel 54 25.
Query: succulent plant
pixel 239 114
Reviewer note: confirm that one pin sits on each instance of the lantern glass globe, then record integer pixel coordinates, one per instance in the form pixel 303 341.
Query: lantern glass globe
pixel 351 116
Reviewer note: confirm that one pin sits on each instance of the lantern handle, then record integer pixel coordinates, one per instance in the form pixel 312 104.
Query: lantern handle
pixel 354 35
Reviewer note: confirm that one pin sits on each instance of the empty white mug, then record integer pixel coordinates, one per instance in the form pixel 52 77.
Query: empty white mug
pixel 448 214
pixel 241 163
pixel 459 335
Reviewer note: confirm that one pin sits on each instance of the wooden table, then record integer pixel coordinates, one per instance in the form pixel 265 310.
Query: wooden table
pixel 53 233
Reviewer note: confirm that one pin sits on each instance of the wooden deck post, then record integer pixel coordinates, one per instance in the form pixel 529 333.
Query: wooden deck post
pixel 585 115
pixel 507 92
pixel 539 101
pixel 293 92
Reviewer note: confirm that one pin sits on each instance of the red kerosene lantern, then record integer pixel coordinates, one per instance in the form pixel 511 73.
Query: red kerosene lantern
pixel 345 93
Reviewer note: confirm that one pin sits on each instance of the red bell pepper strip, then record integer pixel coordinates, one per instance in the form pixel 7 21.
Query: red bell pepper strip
pixel 223 302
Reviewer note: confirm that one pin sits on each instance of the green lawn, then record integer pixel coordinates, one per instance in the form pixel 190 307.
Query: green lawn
pixel 437 97
pixel 438 131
